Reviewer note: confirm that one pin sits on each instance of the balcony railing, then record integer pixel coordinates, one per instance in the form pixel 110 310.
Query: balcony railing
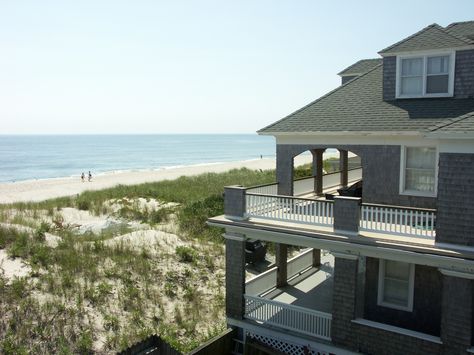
pixel 290 209
pixel 415 222
pixel 289 317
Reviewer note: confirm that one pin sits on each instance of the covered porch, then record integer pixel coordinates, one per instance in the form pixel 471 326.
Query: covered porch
pixel 302 304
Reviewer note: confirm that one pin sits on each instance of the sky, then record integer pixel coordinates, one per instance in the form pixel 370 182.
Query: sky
pixel 113 67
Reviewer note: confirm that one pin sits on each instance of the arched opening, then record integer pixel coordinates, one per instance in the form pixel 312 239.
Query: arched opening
pixel 327 172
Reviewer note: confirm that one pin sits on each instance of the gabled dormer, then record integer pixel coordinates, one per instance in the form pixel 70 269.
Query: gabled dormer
pixel 435 62
pixel 357 69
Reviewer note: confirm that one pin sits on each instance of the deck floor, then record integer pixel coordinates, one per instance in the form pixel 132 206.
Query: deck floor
pixel 313 289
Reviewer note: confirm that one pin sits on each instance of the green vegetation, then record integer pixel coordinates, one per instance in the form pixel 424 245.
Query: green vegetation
pixel 91 292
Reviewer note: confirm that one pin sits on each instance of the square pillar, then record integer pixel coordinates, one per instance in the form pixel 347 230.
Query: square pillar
pixel 343 166
pixel 234 202
pixel 284 171
pixel 456 312
pixel 281 260
pixel 347 215
pixel 234 275
pixel 344 299
pixel 318 170
pixel 316 257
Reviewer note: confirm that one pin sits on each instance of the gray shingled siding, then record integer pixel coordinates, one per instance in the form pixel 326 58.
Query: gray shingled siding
pixel 426 314
pixel 454 220
pixel 389 77
pixel 347 78
pixel 464 75
pixel 235 278
pixel 381 342
pixel 456 326
pixel 344 301
pixel 380 173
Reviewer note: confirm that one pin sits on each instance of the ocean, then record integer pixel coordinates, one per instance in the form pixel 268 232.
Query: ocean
pixel 30 157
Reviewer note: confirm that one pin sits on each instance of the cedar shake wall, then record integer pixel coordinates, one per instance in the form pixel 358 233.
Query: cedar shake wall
pixel 454 219
pixel 380 173
pixel 426 315
pixel 389 77
pixel 464 75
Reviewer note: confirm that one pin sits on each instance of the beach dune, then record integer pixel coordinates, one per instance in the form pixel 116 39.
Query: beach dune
pixel 38 190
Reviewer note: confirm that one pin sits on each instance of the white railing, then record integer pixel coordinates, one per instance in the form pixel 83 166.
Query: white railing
pixel 267 280
pixel 398 220
pixel 290 209
pixel 287 316
pixel 268 189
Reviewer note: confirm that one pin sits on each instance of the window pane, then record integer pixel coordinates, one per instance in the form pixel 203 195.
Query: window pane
pixel 396 292
pixel 397 270
pixel 437 84
pixel 412 66
pixel 420 180
pixel 438 65
pixel 421 158
pixel 412 86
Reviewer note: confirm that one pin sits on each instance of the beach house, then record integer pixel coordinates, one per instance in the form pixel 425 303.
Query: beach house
pixel 385 267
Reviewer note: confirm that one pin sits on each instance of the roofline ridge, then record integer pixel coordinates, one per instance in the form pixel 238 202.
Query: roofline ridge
pixel 352 65
pixel 409 37
pixel 458 23
pixel 450 121
pixel 455 35
pixel 433 25
pixel 321 97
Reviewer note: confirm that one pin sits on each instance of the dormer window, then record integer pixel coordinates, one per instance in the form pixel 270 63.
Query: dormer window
pixel 425 75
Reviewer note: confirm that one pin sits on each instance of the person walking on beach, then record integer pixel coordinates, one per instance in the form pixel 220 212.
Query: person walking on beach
pixel 89 176
pixel 83 177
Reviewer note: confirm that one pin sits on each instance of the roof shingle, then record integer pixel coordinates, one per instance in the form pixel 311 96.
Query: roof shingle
pixel 358 106
pixel 432 37
pixel 361 67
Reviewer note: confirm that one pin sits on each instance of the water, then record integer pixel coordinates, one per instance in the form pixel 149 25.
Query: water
pixel 28 157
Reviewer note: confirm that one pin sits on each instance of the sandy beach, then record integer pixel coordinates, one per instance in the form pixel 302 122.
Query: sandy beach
pixel 38 190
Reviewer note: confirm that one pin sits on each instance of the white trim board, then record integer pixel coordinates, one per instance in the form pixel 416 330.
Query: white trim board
pixel 398 330
pixel 345 245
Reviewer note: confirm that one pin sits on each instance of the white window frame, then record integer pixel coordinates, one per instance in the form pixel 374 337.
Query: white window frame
pixel 403 159
pixel 425 56
pixel 381 285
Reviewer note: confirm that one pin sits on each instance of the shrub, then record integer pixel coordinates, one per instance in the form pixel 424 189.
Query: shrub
pixel 186 254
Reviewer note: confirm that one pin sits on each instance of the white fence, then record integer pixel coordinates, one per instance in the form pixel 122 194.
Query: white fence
pixel 287 316
pixel 267 280
pixel 291 209
pixel 397 220
pixel 269 189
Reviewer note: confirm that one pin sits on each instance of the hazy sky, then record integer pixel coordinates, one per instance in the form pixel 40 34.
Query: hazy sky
pixel 187 66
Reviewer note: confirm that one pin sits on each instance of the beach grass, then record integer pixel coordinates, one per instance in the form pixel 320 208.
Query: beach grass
pixel 86 291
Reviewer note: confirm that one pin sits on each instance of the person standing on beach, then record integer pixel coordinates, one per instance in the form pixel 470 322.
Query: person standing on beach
pixel 83 177
pixel 90 176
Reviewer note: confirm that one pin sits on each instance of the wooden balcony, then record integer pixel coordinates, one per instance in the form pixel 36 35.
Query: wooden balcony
pixel 343 215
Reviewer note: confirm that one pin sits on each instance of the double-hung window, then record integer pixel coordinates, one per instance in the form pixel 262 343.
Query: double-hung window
pixel 418 173
pixel 425 76
pixel 396 284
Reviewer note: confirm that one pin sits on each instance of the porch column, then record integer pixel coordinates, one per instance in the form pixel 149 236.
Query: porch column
pixel 343 166
pixel 344 299
pixel 281 259
pixel 347 215
pixel 318 170
pixel 234 275
pixel 284 171
pixel 456 311
pixel 316 257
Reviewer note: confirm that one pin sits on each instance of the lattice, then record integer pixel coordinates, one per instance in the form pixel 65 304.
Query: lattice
pixel 287 347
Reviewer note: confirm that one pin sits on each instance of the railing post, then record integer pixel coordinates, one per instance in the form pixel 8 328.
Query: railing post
pixel 347 215
pixel 234 202
pixel 281 260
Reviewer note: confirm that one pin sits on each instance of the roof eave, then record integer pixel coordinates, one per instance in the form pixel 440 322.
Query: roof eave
pixel 342 133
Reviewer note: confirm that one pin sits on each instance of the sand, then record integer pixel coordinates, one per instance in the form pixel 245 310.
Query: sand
pixel 38 190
